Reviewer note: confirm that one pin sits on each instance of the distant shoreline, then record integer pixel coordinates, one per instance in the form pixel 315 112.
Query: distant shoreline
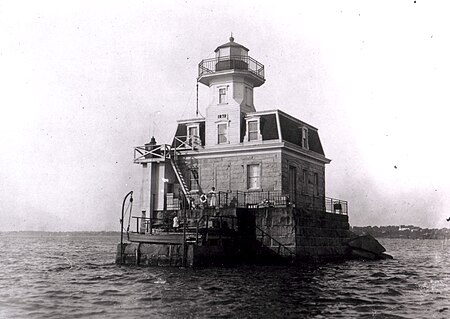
pixel 402 231
pixel 61 233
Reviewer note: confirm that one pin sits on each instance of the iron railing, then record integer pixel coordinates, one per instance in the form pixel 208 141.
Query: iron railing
pixel 261 199
pixel 232 62
pixel 146 225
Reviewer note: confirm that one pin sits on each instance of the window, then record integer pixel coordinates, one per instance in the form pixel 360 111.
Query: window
pixel 248 96
pixel 316 184
pixel 305 182
pixel 253 130
pixel 193 179
pixel 222 133
pixel 305 143
pixel 223 52
pixel 193 136
pixel 222 95
pixel 253 176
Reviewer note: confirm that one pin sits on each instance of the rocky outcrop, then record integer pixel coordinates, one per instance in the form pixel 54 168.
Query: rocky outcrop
pixel 366 247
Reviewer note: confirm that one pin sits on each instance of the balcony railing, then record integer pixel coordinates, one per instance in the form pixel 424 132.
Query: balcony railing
pixel 190 142
pixel 152 152
pixel 238 62
pixel 165 151
pixel 260 200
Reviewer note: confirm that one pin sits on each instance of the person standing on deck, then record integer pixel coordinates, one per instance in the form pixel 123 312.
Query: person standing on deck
pixel 212 197
pixel 176 223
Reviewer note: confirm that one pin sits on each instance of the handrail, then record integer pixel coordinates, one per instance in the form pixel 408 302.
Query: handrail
pixel 121 222
pixel 291 253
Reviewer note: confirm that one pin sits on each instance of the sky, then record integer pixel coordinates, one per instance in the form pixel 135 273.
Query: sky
pixel 83 82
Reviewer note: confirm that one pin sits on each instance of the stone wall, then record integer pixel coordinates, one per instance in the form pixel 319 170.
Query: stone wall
pixel 230 172
pixel 279 223
pixel 304 187
pixel 320 235
pixel 310 234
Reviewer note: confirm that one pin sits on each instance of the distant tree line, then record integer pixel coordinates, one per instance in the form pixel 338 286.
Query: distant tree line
pixel 402 231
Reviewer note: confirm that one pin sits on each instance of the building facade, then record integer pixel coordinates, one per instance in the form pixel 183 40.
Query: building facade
pixel 265 155
pixel 246 184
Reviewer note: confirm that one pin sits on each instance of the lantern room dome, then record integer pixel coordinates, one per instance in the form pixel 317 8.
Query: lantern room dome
pixel 231 44
pixel 231 58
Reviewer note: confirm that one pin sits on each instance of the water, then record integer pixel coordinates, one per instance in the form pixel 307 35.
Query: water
pixel 48 276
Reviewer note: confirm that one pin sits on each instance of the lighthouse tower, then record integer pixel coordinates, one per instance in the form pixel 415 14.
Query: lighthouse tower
pixel 231 77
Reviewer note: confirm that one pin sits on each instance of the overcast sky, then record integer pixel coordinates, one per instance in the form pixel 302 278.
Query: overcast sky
pixel 82 82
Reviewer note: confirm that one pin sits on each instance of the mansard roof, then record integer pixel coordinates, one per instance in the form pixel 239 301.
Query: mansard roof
pixel 291 131
pixel 275 125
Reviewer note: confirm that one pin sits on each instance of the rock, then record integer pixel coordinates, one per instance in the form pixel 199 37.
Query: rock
pixel 367 243
pixel 367 247
pixel 386 256
pixel 359 253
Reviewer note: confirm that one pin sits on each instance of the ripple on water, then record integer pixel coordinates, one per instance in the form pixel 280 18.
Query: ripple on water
pixel 74 277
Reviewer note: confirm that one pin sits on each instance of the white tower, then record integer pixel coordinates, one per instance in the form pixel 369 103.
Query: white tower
pixel 231 77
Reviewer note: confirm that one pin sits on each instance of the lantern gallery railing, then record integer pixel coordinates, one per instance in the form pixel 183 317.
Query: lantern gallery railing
pixel 232 62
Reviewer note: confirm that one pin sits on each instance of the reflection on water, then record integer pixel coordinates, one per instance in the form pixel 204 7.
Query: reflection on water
pixel 75 277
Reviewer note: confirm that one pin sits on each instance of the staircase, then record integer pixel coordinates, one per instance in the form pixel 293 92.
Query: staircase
pixel 273 246
pixel 181 180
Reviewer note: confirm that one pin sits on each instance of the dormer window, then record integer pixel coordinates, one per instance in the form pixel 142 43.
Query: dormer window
pixel 305 134
pixel 222 95
pixel 253 132
pixel 193 137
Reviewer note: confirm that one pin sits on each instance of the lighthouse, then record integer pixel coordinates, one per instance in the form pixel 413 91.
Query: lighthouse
pixel 235 147
pixel 231 77
pixel 237 178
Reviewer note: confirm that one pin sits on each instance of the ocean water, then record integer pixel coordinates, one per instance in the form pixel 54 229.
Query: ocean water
pixel 67 276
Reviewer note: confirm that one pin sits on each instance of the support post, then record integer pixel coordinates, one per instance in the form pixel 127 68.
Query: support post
pixel 184 237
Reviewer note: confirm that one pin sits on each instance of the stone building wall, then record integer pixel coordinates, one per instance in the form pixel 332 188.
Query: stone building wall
pixel 229 173
pixel 303 187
